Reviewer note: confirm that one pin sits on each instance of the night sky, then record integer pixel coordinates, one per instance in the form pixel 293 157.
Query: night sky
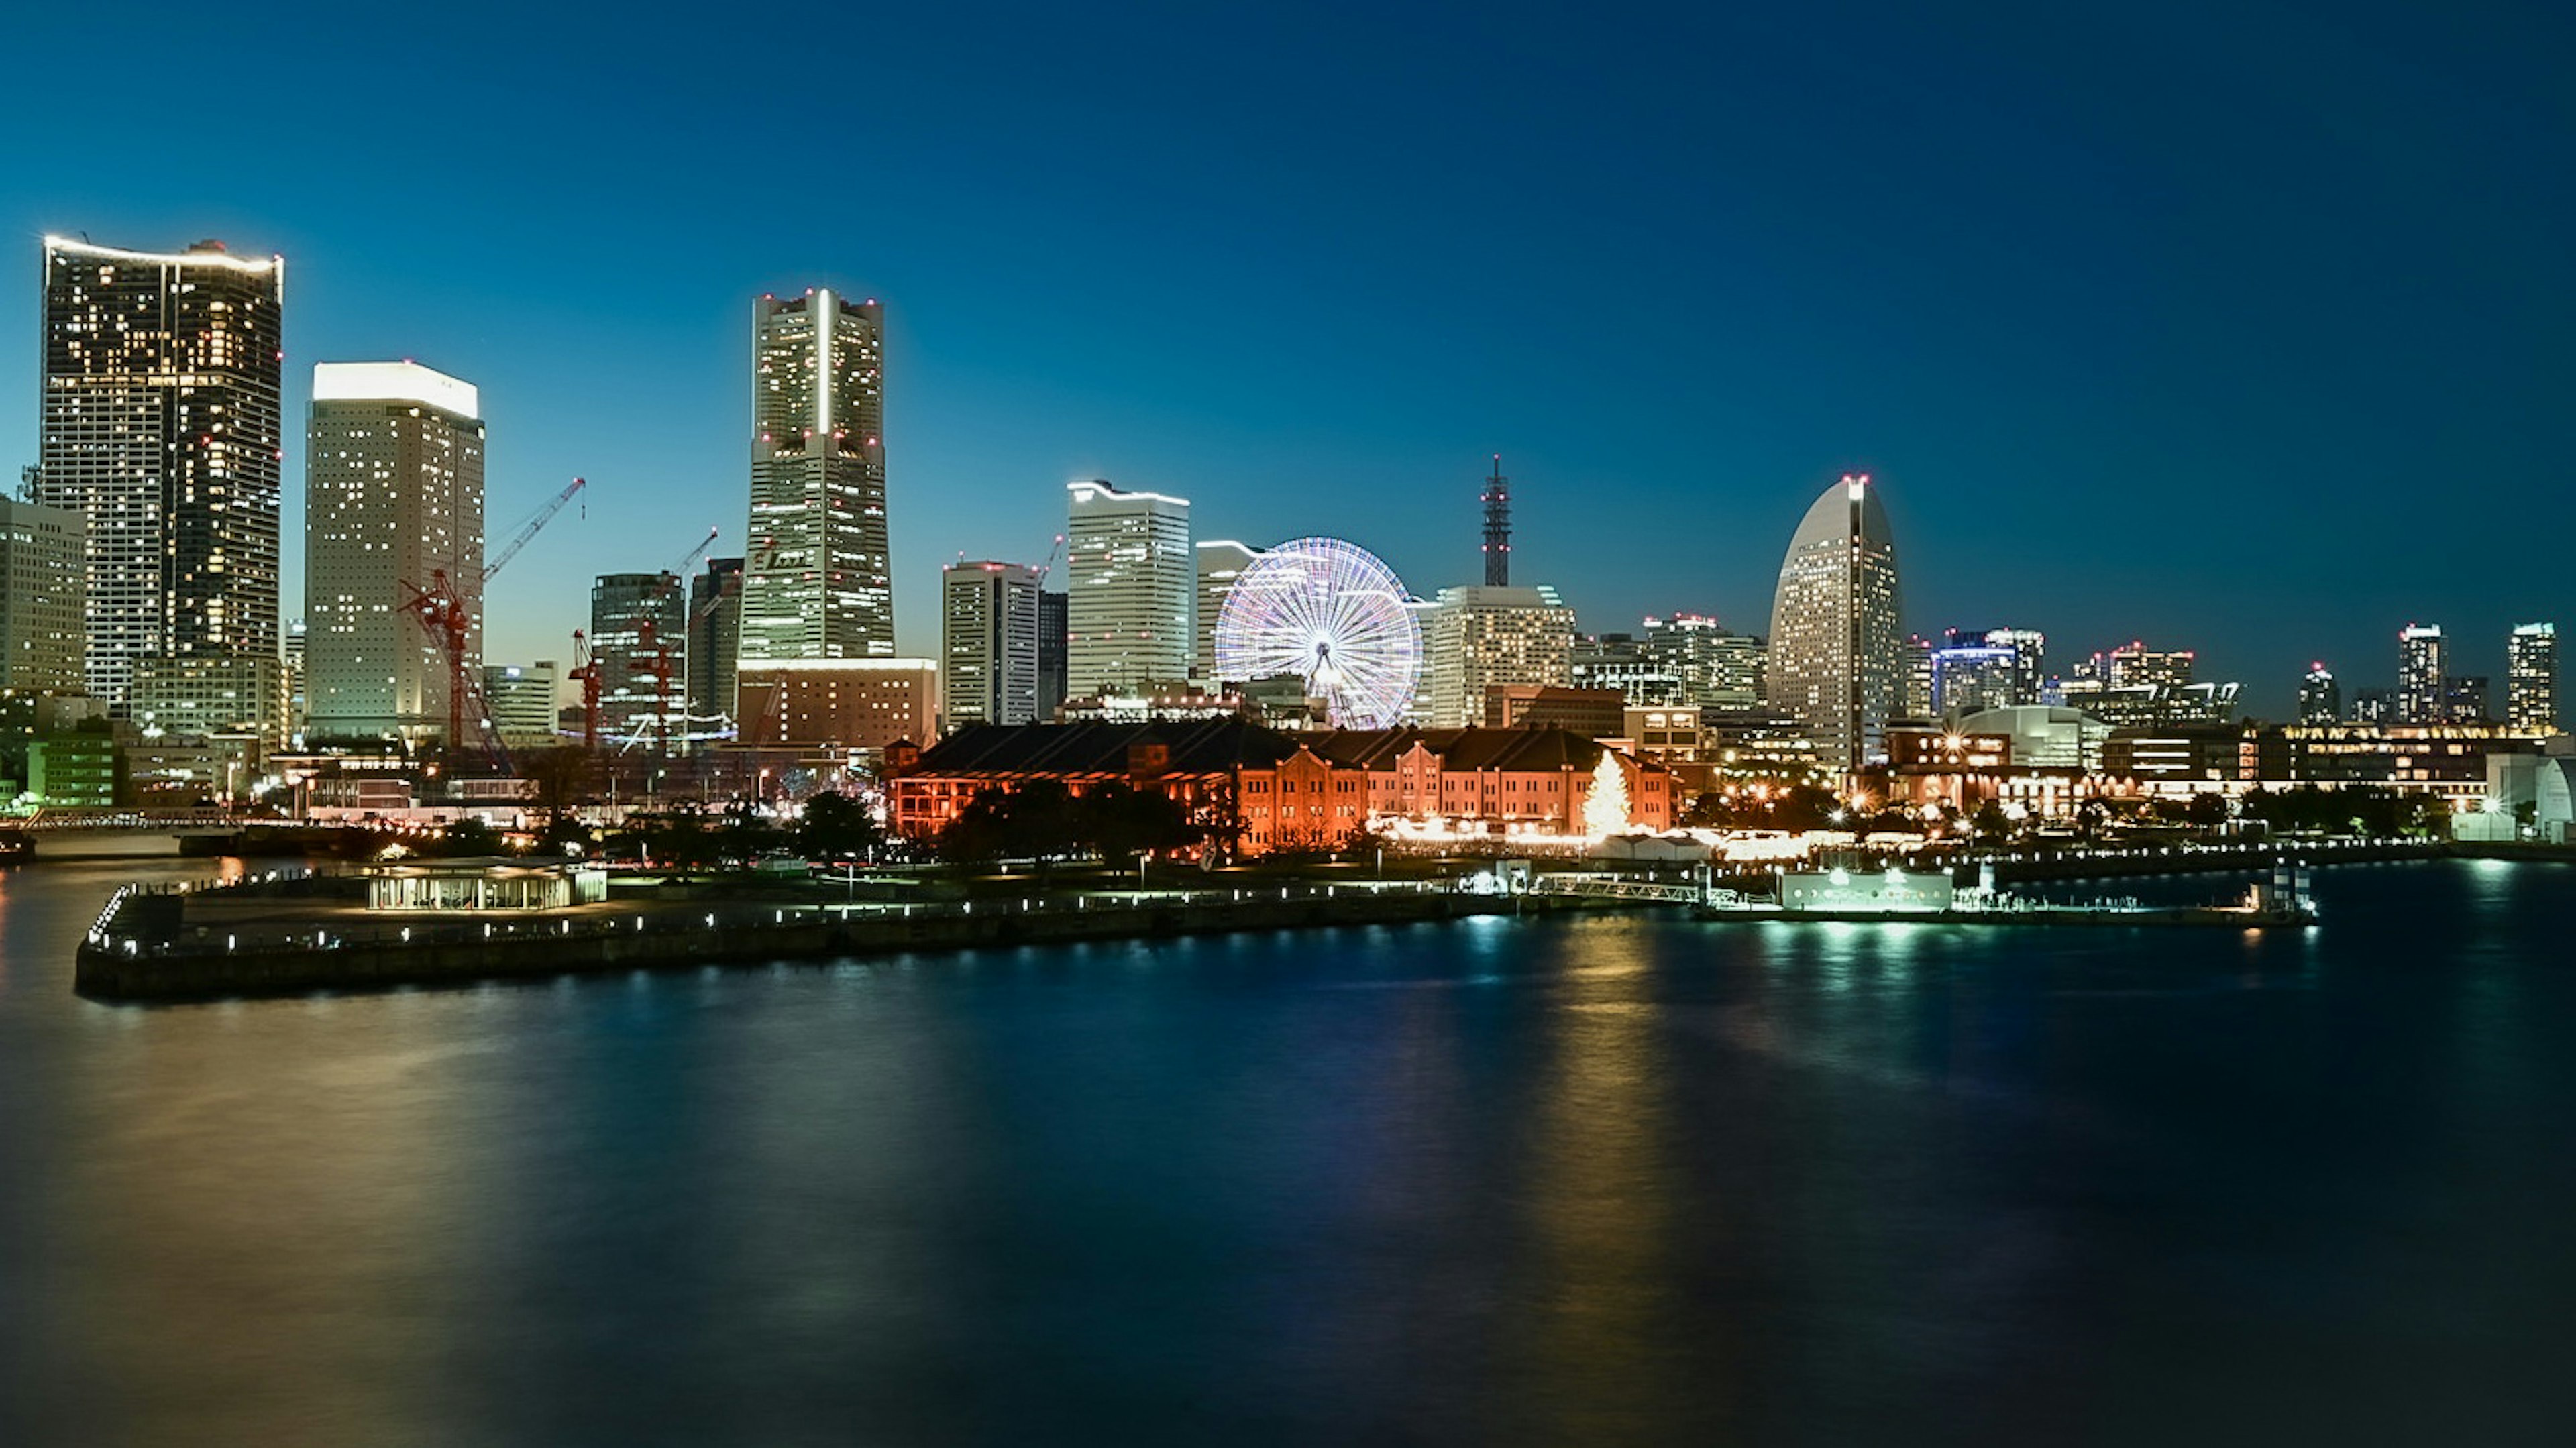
pixel 2244 328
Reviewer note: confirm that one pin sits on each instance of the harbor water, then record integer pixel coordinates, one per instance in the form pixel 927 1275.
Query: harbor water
pixel 1622 1179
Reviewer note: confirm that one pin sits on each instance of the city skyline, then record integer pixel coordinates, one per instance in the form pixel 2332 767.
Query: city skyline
pixel 2217 375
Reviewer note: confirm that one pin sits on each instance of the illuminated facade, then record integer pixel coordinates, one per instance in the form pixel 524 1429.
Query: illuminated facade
pixel 816 583
pixel 521 702
pixel 393 492
pixel 2531 678
pixel 203 697
pixel 41 575
pixel 858 704
pixel 1718 669
pixel 2422 664
pixel 1130 587
pixel 1482 638
pixel 1220 562
pixel 637 635
pixel 988 649
pixel 1837 657
pixel 2320 700
pixel 715 634
pixel 160 427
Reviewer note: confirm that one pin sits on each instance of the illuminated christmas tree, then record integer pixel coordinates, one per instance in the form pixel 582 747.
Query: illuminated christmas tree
pixel 1605 809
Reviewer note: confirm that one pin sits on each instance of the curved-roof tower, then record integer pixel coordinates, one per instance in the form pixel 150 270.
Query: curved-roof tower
pixel 1835 662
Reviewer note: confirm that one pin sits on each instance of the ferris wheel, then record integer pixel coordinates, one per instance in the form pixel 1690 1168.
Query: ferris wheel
pixel 1330 613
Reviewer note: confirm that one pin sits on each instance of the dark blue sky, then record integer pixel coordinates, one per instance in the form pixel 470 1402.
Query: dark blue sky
pixel 2244 328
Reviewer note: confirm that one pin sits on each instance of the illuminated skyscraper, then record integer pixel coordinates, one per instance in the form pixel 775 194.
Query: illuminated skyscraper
pixel 160 427
pixel 636 638
pixel 1476 639
pixel 1220 562
pixel 988 653
pixel 41 573
pixel 2320 700
pixel 2531 677
pixel 393 492
pixel 816 582
pixel 715 632
pixel 1837 655
pixel 1129 581
pixel 2422 664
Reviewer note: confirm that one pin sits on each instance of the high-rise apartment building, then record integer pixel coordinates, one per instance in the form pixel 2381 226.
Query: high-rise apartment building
pixel 393 499
pixel 1718 669
pixel 160 427
pixel 1621 663
pixel 521 701
pixel 2464 699
pixel 1129 585
pixel 2134 665
pixel 41 573
pixel 715 635
pixel 816 583
pixel 2422 665
pixel 1487 637
pixel 1837 659
pixel 1053 612
pixel 637 636
pixel 2531 677
pixel 1914 686
pixel 2320 700
pixel 988 655
pixel 1220 562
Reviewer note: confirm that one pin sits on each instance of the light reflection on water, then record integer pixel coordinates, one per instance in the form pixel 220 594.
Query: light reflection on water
pixel 1613 1179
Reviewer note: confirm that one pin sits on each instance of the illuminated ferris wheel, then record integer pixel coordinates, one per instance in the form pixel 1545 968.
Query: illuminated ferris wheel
pixel 1332 614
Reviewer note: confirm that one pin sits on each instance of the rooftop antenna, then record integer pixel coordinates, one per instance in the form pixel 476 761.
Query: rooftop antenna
pixel 1498 527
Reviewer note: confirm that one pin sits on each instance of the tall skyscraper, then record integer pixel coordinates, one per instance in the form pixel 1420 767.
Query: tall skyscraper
pixel 1053 612
pixel 1220 562
pixel 393 494
pixel 2531 677
pixel 816 582
pixel 41 572
pixel 160 427
pixel 2320 701
pixel 2422 664
pixel 1487 637
pixel 988 656
pixel 1836 651
pixel 1130 578
pixel 715 633
pixel 1498 527
pixel 1718 669
pixel 636 638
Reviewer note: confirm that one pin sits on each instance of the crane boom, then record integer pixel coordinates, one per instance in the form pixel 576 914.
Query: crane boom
pixel 528 530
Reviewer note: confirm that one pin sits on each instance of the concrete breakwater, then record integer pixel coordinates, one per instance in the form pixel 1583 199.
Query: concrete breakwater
pixel 163 966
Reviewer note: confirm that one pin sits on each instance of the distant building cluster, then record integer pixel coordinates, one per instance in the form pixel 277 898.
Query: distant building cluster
pixel 1295 691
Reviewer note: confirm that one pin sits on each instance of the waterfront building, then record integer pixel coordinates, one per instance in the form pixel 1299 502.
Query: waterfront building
pixel 816 582
pixel 1836 659
pixel 74 769
pixel 855 705
pixel 2320 702
pixel 159 425
pixel 521 702
pixel 637 635
pixel 2147 705
pixel 1717 668
pixel 1480 637
pixel 1130 586
pixel 2422 664
pixel 393 500
pixel 715 640
pixel 1220 562
pixel 1053 627
pixel 988 644
pixel 2531 678
pixel 239 697
pixel 1263 790
pixel 42 572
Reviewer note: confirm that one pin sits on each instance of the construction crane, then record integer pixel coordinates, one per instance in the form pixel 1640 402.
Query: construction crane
pixel 1052 555
pixel 653 651
pixel 585 672
pixel 445 618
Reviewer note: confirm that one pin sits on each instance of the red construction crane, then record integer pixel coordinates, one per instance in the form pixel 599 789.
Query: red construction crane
pixel 585 672
pixel 652 651
pixel 443 615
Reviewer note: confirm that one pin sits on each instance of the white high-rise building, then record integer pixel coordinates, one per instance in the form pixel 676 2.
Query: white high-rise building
pixel 160 427
pixel 1220 562
pixel 1837 654
pixel 1486 637
pixel 393 500
pixel 988 623
pixel 2531 677
pixel 41 573
pixel 816 581
pixel 522 702
pixel 1129 581
pixel 2422 666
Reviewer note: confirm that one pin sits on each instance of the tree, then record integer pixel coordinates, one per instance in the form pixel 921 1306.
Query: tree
pixel 1121 820
pixel 837 827
pixel 1990 822
pixel 1605 805
pixel 561 777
